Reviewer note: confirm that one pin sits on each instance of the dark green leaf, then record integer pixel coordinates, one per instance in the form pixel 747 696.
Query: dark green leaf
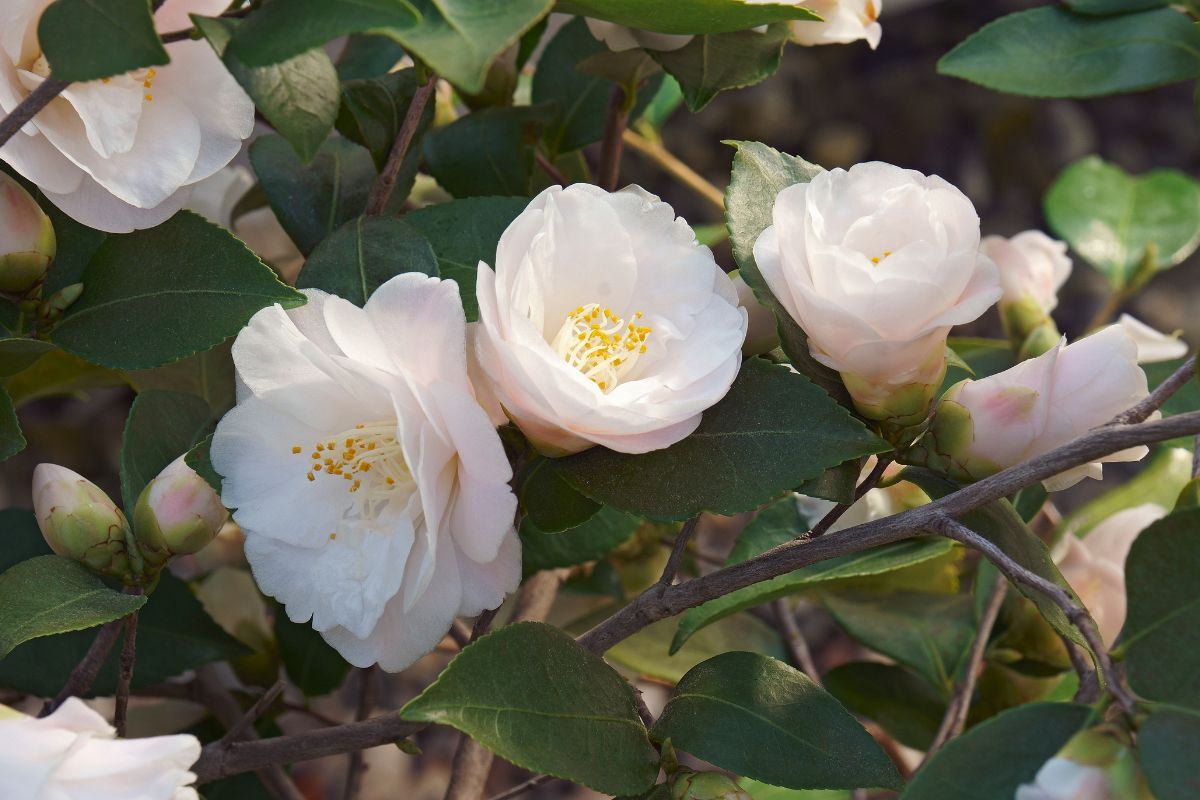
pixel 463 233
pixel 1162 631
pixel 85 39
pixel 364 254
pixel 489 152
pixel 161 427
pixel 905 706
pixel 756 716
pixel 313 200
pixel 368 56
pixel 299 96
pixel 1167 744
pixel 712 63
pixel 532 695
pixel 207 375
pixel 52 594
pixel 694 16
pixel 11 439
pixel 17 354
pixel 550 503
pixel 992 759
pixel 1113 6
pixel 591 539
pixel 1050 52
pixel 371 114
pixel 280 29
pixel 198 458
pixel 1110 217
pixel 315 667
pixel 773 430
pixel 158 295
pixel 836 484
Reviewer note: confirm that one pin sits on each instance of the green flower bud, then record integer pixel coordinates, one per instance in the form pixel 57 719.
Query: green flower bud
pixel 688 785
pixel 1041 339
pixel 80 522
pixel 27 243
pixel 177 514
pixel 899 408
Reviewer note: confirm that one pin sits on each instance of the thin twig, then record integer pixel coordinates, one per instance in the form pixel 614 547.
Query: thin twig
pixel 677 169
pixel 125 672
pixel 697 553
pixel 959 706
pixel 835 513
pixel 367 685
pixel 673 560
pixel 522 788
pixel 85 672
pixel 1196 456
pixel 1089 685
pixel 385 184
pixel 797 645
pixel 610 148
pixel 1077 614
pixel 548 167
pixel 239 728
pixel 28 108
pixel 1161 394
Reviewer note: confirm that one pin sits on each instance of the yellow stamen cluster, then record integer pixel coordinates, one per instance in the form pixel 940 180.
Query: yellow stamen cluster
pixel 877 259
pixel 148 83
pixel 370 461
pixel 601 344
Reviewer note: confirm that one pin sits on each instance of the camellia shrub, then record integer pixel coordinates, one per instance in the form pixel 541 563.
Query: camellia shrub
pixel 440 433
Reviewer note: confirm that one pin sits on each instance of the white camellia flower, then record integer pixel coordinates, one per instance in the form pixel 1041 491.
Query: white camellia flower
pixel 982 426
pixel 1094 765
pixel 1152 345
pixel 1063 779
pixel 120 153
pixel 619 38
pixel 1032 267
pixel 74 753
pixel 605 322
pixel 842 22
pixel 1095 564
pixel 876 263
pixel 371 487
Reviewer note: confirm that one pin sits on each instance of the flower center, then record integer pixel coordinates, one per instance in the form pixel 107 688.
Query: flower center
pixel 601 344
pixel 369 460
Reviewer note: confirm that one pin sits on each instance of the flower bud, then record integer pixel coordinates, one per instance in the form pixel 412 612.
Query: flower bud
pixel 177 514
pixel 1032 268
pixel 1095 764
pixel 688 785
pixel 80 522
pixel 762 335
pixel 27 243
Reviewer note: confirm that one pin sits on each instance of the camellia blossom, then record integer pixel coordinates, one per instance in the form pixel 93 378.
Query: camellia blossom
pixel 371 487
pixel 605 322
pixel 842 22
pixel 1094 765
pixel 1152 345
pixel 119 153
pixel 876 263
pixel 1032 267
pixel 983 426
pixel 1095 564
pixel 74 753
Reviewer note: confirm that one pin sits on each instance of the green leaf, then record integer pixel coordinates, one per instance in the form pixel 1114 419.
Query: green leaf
pixel 906 706
pixel 17 354
pixel 1167 744
pixel 1050 52
pixel 364 254
pixel 161 427
pixel 158 295
pixel 928 632
pixel 463 233
pixel 836 484
pixel 52 594
pixel 368 56
pixel 11 439
pixel 315 667
pixel 59 373
pixel 778 523
pixel 1184 400
pixel 1110 217
pixel 765 791
pixel 694 16
pixel 550 503
pixel 992 759
pixel 1161 636
pixel 459 39
pixel 604 530
pixel 489 152
pixel 208 375
pixel 985 357
pixel 313 200
pixel 1113 6
pixel 773 430
pixel 87 39
pixel 1159 481
pixel 712 63
pixel 280 29
pixel 372 112
pixel 299 96
pixel 532 695
pixel 756 716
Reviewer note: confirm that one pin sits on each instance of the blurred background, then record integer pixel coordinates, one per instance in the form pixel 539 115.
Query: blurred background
pixel 835 106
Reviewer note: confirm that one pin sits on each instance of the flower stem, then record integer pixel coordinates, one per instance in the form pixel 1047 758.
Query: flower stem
pixel 125 673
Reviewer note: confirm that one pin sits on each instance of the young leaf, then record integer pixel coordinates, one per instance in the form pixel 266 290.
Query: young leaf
pixel 463 233
pixel 772 430
pixel 364 254
pixel 756 716
pixel 694 16
pixel 84 40
pixel 489 152
pixel 591 539
pixel 1110 217
pixel 1164 610
pixel 533 696
pixel 52 594
pixel 1050 52
pixel 372 112
pixel 158 295
pixel 906 706
pixel 161 427
pixel 280 29
pixel 992 759
pixel 712 63
pixel 1167 744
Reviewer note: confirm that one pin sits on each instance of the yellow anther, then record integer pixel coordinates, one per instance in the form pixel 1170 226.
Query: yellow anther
pixel 149 98
pixel 316 467
pixel 311 477
pixel 297 449
pixel 150 73
pixel 333 535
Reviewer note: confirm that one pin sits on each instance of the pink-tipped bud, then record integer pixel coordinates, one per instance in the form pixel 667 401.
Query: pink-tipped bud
pixel 177 514
pixel 27 243
pixel 80 522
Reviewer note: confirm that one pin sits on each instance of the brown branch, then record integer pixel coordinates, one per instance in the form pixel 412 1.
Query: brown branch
pixel 610 148
pixel 552 171
pixel 792 636
pixel 385 184
pixel 85 672
pixel 28 108
pixel 367 685
pixel 671 569
pixel 677 169
pixel 1089 690
pixel 125 672
pixel 959 706
pixel 1161 394
pixel 264 701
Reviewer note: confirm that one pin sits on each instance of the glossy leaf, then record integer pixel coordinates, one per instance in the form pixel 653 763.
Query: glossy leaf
pixel 368 56
pixel 161 294
pixel 533 696
pixel 694 16
pixel 1050 52
pixel 601 532
pixel 773 430
pixel 280 29
pixel 1167 744
pixel 161 427
pixel 904 705
pixel 364 254
pixel 551 503
pixel 489 152
pixel 756 716
pixel 85 40
pixel 712 63
pixel 1113 6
